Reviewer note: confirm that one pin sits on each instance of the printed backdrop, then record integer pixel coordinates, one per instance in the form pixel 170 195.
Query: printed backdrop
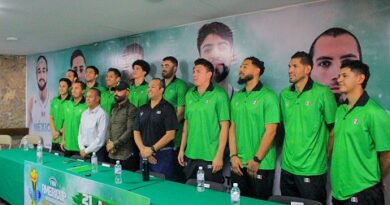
pixel 272 36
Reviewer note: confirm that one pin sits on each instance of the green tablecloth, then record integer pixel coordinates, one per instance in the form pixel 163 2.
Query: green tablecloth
pixel 161 192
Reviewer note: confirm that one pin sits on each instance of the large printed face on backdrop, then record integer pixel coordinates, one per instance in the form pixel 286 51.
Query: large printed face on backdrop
pixel 215 44
pixel 329 53
pixel 78 65
pixel 220 53
pixel 130 54
pixel 41 73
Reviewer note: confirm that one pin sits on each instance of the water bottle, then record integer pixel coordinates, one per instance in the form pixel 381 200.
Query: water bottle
pixel 39 152
pixel 145 169
pixel 200 179
pixel 235 194
pixel 118 172
pixel 25 144
pixel 94 162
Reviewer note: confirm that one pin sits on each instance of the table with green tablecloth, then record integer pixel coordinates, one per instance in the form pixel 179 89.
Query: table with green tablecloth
pixel 159 191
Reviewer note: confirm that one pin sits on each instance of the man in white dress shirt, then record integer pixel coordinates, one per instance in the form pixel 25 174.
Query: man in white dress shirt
pixel 93 127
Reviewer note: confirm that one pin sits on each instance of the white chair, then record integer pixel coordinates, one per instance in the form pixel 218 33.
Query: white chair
pixel 5 140
pixel 31 139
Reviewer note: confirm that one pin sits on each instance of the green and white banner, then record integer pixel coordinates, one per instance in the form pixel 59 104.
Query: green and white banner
pixel 359 29
pixel 48 186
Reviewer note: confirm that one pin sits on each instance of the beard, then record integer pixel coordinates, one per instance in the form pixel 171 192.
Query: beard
pixel 168 74
pixel 42 87
pixel 220 76
pixel 245 79
pixel 119 99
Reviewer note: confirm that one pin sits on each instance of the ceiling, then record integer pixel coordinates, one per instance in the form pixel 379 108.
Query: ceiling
pixel 48 25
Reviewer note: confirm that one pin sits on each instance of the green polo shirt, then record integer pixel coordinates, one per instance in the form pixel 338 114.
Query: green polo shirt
pixel 102 89
pixel 360 133
pixel 72 119
pixel 203 114
pixel 57 112
pixel 251 112
pixel 175 94
pixel 107 101
pixel 139 94
pixel 306 117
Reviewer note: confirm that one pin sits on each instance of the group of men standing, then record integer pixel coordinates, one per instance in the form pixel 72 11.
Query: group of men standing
pixel 169 125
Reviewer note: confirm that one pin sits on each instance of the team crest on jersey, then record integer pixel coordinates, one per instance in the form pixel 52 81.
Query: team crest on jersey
pixel 158 112
pixel 142 113
pixel 356 121
pixel 207 101
pixel 308 103
pixel 254 102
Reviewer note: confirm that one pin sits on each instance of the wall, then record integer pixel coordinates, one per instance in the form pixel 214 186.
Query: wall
pixel 12 91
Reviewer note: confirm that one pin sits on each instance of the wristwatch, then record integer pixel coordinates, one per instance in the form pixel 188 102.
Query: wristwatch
pixel 256 159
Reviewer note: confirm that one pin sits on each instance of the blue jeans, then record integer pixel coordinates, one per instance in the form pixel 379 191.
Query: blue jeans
pixel 165 162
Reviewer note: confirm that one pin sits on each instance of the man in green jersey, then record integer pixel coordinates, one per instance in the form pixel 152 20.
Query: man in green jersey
pixel 107 100
pixel 361 153
pixel 139 89
pixel 206 125
pixel 91 76
pixel 175 92
pixel 308 110
pixel 72 115
pixel 255 117
pixel 57 113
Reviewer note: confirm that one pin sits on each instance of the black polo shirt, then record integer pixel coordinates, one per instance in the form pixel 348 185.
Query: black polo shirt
pixel 153 123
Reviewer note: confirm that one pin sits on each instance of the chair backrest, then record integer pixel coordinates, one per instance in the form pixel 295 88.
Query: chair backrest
pixel 6 140
pixel 290 200
pixel 32 139
pixel 208 184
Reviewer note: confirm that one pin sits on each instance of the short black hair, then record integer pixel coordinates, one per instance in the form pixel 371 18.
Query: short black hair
pixel 172 59
pixel 44 58
pixel 358 67
pixel 161 82
pixel 217 28
pixel 98 93
pixel 209 66
pixel 66 80
pixel 306 58
pixel 115 71
pixel 143 64
pixel 82 84
pixel 258 63
pixel 334 32
pixel 74 73
pixel 96 70
pixel 76 54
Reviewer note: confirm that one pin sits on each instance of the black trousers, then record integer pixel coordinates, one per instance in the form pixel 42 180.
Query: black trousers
pixel 309 187
pixel 191 168
pixel 130 164
pixel 178 173
pixel 259 187
pixel 371 196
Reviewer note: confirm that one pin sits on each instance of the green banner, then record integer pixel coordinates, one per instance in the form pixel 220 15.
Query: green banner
pixel 45 185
